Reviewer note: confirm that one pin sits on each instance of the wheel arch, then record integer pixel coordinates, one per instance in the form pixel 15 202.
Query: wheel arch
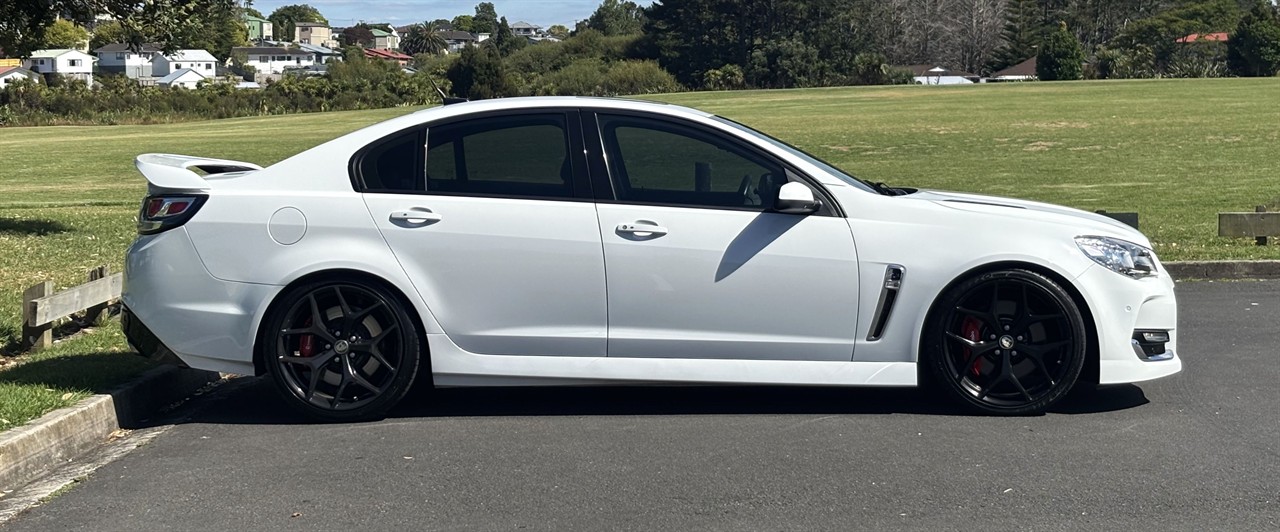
pixel 1092 359
pixel 259 363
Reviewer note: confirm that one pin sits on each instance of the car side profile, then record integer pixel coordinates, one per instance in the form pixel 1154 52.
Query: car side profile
pixel 565 241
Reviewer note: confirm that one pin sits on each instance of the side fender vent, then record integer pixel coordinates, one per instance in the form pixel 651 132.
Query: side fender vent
pixel 888 296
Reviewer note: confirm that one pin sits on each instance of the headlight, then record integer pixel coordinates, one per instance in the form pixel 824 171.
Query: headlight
pixel 1119 256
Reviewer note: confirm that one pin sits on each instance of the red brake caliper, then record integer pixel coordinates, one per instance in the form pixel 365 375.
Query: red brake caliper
pixel 307 345
pixel 971 329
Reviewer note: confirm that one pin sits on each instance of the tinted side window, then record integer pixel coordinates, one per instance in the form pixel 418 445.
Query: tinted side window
pixel 653 161
pixel 392 165
pixel 523 155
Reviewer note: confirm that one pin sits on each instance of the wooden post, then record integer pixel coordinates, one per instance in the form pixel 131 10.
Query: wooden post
pixel 1261 240
pixel 35 336
pixel 95 314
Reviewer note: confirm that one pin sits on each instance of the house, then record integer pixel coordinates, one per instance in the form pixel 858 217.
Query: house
pixel 260 29
pixel 455 40
pixel 314 33
pixel 390 55
pixel 525 29
pixel 321 54
pixel 1205 37
pixel 117 58
pixel 62 62
pixel 198 60
pixel 275 59
pixel 186 78
pixel 931 74
pixel 384 39
pixel 10 74
pixel 1024 71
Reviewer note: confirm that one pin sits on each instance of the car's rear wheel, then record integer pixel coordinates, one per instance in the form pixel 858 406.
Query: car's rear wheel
pixel 341 351
pixel 1008 342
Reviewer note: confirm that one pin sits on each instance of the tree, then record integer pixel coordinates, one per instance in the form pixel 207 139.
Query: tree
pixel 423 38
pixel 486 19
pixel 65 34
pixel 286 18
pixel 1021 34
pixel 356 36
pixel 1060 56
pixel 617 17
pixel 23 23
pixel 506 42
pixel 1254 48
pixel 479 74
pixel 465 23
pixel 109 33
pixel 558 31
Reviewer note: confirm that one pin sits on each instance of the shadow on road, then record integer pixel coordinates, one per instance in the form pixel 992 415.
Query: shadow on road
pixel 252 401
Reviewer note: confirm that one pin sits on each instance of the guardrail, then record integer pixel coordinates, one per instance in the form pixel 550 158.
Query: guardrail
pixel 1258 224
pixel 41 308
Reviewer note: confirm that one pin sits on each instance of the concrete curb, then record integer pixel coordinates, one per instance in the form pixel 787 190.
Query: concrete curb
pixel 32 450
pixel 1224 269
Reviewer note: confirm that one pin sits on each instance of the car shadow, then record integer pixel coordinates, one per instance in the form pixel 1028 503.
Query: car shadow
pixel 252 401
pixel 25 227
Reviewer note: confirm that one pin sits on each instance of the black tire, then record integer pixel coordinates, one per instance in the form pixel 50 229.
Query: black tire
pixel 1009 342
pixel 359 363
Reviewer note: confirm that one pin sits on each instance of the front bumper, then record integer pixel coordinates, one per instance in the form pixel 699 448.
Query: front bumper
pixel 1122 306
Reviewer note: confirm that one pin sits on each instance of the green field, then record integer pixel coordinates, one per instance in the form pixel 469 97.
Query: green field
pixel 1175 151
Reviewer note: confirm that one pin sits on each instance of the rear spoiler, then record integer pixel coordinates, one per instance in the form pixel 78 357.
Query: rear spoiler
pixel 173 172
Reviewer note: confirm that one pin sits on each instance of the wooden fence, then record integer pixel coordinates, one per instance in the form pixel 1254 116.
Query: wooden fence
pixel 41 308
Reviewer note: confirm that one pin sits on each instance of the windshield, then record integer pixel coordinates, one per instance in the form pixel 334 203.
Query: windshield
pixel 822 165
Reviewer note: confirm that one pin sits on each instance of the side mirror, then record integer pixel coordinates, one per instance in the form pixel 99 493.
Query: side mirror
pixel 796 198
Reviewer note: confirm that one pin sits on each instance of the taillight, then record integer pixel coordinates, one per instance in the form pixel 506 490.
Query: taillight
pixel 162 213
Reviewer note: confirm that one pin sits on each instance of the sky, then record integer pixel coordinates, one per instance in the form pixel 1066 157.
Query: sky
pixel 344 13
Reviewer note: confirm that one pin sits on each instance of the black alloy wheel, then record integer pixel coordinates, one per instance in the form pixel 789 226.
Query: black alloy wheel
pixel 341 351
pixel 1009 342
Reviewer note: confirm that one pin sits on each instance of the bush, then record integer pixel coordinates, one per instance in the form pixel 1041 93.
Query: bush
pixel 1254 48
pixel 584 77
pixel 479 74
pixel 1060 57
pixel 728 77
pixel 637 77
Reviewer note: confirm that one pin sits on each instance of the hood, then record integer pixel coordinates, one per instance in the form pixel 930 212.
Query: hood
pixel 1088 223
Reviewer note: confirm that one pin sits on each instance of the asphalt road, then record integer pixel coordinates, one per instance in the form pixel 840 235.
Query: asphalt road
pixel 1197 451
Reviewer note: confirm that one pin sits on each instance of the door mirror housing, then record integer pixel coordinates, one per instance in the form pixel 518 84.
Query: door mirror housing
pixel 796 198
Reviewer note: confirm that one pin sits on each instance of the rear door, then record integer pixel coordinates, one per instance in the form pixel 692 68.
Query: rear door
pixel 492 218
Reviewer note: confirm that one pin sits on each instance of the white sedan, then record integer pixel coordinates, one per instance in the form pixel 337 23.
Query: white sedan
pixel 562 241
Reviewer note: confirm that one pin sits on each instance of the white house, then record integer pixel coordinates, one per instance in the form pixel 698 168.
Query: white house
pixel 70 63
pixel 198 60
pixel 525 29
pixel 937 75
pixel 187 78
pixel 274 59
pixel 119 59
pixel 11 74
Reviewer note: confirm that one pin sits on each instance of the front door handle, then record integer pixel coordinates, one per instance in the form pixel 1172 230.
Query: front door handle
pixel 416 217
pixel 642 228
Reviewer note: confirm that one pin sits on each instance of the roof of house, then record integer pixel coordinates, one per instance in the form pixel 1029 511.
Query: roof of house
pixel 1024 69
pixel 929 70
pixel 524 25
pixel 59 52
pixel 191 55
pixel 178 74
pixel 1206 37
pixel 268 50
pixel 147 47
pixel 11 70
pixel 379 33
pixel 310 25
pixel 316 49
pixel 455 35
pixel 382 53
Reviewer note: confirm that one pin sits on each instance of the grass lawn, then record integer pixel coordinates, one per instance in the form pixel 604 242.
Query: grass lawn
pixel 1176 151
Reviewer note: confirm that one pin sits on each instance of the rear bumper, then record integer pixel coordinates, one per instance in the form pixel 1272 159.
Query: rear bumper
pixel 144 341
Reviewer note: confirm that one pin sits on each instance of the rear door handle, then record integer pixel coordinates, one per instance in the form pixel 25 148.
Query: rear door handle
pixel 642 229
pixel 416 217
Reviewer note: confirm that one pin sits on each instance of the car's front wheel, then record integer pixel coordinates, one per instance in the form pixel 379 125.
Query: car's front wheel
pixel 341 351
pixel 1008 342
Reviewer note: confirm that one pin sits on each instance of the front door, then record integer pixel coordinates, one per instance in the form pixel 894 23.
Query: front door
pixel 697 266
